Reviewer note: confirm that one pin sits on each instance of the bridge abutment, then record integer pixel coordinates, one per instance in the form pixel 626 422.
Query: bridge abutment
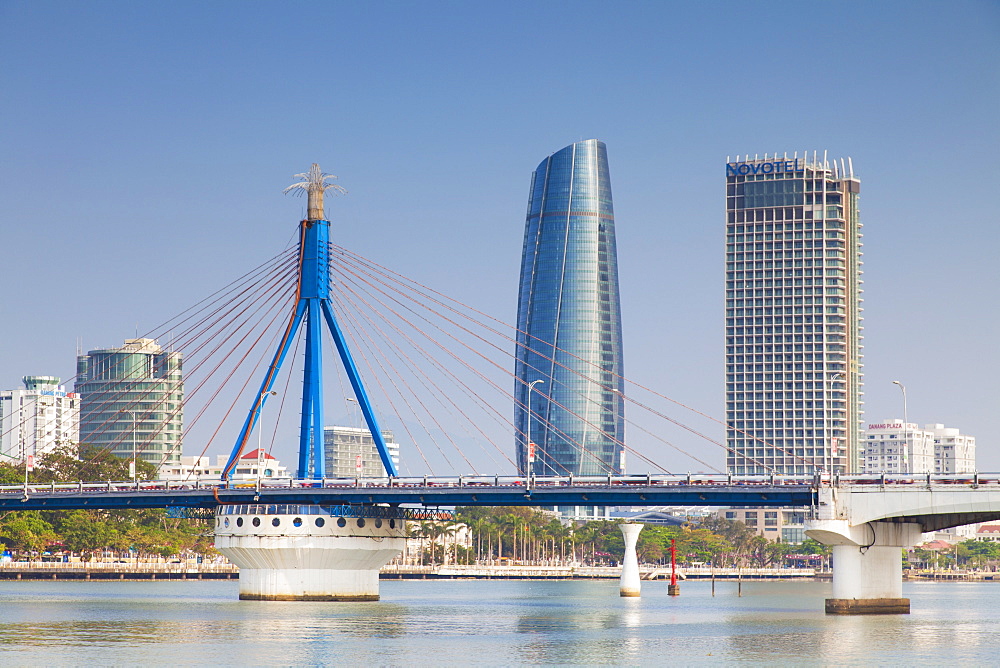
pixel 289 552
pixel 867 564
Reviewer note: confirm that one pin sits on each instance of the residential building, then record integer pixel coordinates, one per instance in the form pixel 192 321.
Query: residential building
pixel 131 401
pixel 251 466
pixel 892 446
pixel 351 452
pixel 784 524
pixel 569 361
pixel 989 531
pixel 954 452
pixel 793 315
pixel 38 418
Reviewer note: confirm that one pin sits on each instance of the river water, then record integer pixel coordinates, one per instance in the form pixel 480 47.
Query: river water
pixel 474 622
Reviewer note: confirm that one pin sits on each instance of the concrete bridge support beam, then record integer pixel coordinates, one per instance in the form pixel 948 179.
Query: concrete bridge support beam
pixel 867 565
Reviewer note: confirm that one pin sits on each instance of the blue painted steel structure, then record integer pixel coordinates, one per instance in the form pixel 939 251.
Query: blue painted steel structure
pixel 312 308
pixel 561 492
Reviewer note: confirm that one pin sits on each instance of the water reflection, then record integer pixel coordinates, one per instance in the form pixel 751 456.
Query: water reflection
pixel 486 623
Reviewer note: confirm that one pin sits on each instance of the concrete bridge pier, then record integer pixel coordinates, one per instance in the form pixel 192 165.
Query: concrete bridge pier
pixel 867 564
pixel 631 583
pixel 292 552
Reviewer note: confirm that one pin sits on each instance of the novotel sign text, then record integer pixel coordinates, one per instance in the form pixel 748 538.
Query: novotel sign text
pixel 773 167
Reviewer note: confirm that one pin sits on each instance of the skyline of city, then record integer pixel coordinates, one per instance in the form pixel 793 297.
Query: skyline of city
pixel 172 164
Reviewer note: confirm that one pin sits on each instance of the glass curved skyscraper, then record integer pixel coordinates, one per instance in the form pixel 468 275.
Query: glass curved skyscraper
pixel 569 320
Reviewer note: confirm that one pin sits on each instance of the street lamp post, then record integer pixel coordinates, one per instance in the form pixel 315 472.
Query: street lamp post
pixel 260 444
pixel 132 467
pixel 906 421
pixel 531 453
pixel 621 395
pixel 829 449
pixel 354 411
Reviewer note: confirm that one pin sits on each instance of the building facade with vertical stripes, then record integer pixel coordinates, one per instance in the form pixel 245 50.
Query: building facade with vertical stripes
pixel 569 321
pixel 131 402
pixel 793 315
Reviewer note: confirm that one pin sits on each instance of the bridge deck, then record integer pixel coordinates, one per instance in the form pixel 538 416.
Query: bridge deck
pixel 640 490
pixel 494 491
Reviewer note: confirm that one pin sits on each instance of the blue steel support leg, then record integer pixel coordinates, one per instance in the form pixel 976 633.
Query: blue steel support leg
pixel 265 387
pixel 359 389
pixel 311 432
pixel 316 330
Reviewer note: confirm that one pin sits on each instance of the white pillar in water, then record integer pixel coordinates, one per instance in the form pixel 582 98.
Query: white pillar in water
pixel 867 564
pixel 630 582
pixel 307 553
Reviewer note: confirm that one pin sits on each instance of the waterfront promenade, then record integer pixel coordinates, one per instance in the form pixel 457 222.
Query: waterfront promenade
pixel 190 569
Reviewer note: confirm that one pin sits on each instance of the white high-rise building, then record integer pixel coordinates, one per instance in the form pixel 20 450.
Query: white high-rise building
pixel 793 315
pixel 894 446
pixel 954 452
pixel 38 418
pixel 351 452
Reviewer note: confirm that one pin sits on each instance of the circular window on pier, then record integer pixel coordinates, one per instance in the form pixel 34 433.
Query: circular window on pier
pixel 361 522
pixel 341 522
pixel 378 524
pixel 256 521
pixel 297 522
pixel 320 521
pixel 239 521
pixel 226 522
pixel 275 522
pixel 392 524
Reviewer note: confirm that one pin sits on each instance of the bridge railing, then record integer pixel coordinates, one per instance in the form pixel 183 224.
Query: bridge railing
pixel 464 481
pixel 899 481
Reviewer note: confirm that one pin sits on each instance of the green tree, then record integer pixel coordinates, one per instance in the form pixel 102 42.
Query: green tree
pixel 26 531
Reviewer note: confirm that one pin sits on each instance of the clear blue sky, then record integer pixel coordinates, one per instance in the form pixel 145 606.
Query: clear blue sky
pixel 145 146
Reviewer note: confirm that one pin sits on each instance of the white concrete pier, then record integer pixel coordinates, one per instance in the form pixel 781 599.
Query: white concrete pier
pixel 309 553
pixel 867 565
pixel 631 584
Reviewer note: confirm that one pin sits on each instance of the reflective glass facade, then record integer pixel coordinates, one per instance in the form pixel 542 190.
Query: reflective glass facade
pixel 569 320
pixel 138 385
pixel 793 316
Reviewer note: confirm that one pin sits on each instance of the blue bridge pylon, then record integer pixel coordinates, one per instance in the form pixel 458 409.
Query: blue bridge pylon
pixel 313 308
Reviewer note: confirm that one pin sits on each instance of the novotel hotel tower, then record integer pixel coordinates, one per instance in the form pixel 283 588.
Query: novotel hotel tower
pixel 793 315
pixel 568 367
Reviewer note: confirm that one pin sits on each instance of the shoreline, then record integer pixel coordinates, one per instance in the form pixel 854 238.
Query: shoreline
pixel 102 571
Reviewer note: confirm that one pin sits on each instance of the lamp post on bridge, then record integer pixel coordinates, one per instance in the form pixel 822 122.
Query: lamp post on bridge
pixel 260 444
pixel 830 448
pixel 531 444
pixel 132 466
pixel 906 420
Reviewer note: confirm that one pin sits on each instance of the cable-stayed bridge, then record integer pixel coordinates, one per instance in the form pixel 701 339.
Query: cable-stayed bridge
pixel 442 368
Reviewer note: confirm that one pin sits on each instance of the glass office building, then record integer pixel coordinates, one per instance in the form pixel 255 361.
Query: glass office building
pixel 131 400
pixel 569 321
pixel 793 315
